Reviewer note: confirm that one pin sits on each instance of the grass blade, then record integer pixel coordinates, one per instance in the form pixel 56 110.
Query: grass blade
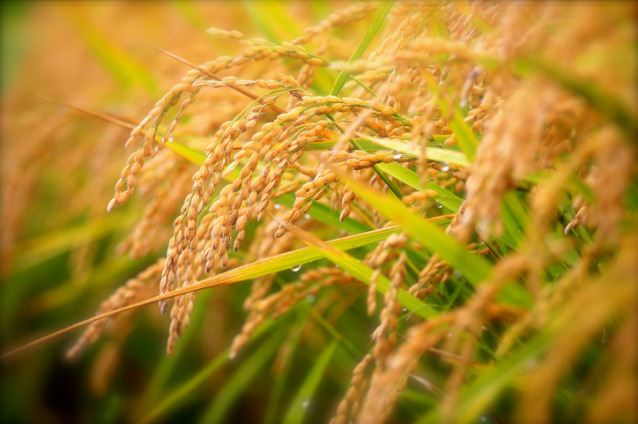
pixel 256 269
pixel 468 142
pixel 412 149
pixel 39 249
pixel 236 385
pixel 361 271
pixel 301 402
pixel 374 27
pixel 474 268
pixel 411 178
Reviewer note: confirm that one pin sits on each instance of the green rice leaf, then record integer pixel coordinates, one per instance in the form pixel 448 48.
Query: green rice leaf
pixel 362 272
pixel 373 29
pixel 468 142
pixel 411 178
pixel 280 385
pixel 412 149
pixel 301 402
pixel 42 248
pixel 515 219
pixel 192 155
pixel 241 378
pixel 474 268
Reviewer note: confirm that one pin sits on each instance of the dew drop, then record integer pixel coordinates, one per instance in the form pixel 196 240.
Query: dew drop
pixel 171 139
pixel 445 167
pixel 307 216
pixel 397 156
pixel 277 206
pixel 305 403
pixel 296 268
pixel 438 205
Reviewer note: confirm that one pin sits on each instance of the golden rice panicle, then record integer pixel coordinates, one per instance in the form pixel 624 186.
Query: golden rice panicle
pixel 580 217
pixel 385 383
pixel 152 144
pixel 340 17
pixel 264 247
pixel 261 286
pixel 615 166
pixel 576 326
pixel 371 300
pixel 434 273
pixel 218 154
pixel 502 160
pixel 180 319
pixel 150 233
pixel 192 268
pixel 349 406
pixel 123 296
pixel 399 39
pixel 384 335
pixel 305 196
pixel 271 307
pixel 229 35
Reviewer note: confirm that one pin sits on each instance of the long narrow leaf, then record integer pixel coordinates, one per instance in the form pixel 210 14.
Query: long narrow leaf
pixel 362 272
pixel 374 27
pixel 301 402
pixel 239 381
pixel 474 268
pixel 411 178
pixel 256 269
pixel 433 153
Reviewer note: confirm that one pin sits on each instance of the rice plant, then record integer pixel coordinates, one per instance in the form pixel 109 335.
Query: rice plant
pixel 352 212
